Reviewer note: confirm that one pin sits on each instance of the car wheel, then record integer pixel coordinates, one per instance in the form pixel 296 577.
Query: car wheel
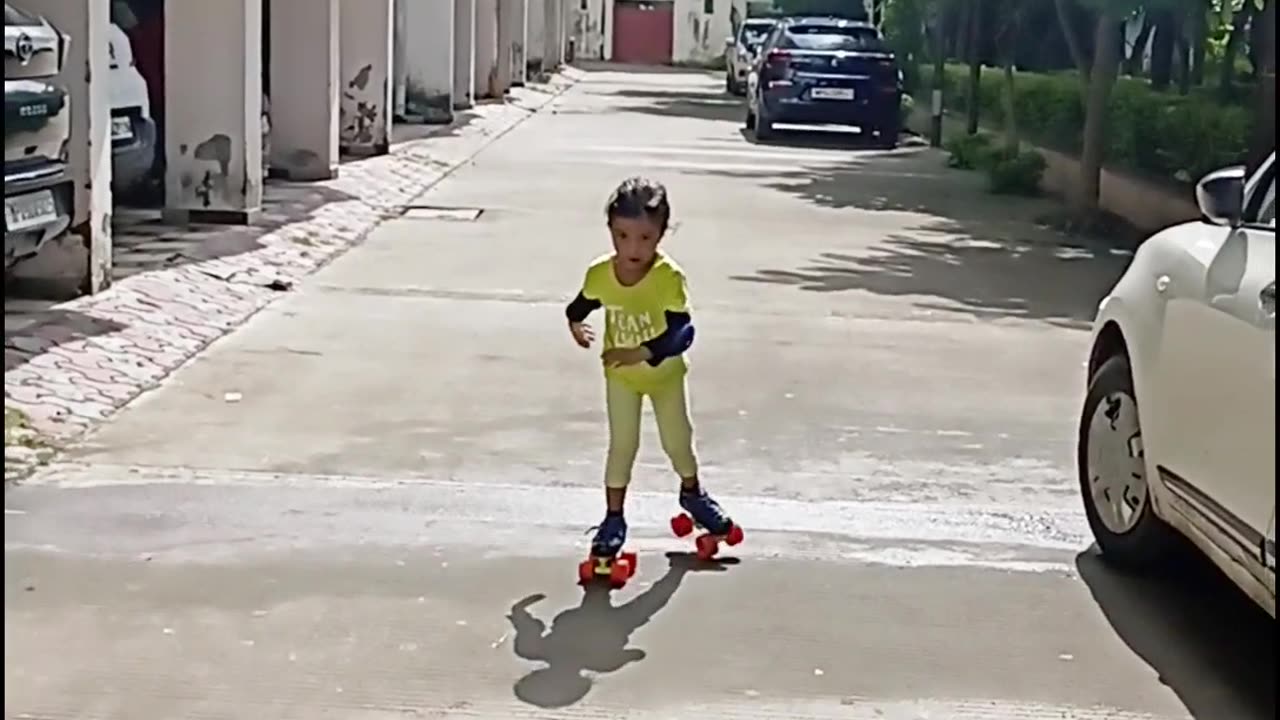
pixel 1113 476
pixel 762 127
pixel 729 85
pixel 750 121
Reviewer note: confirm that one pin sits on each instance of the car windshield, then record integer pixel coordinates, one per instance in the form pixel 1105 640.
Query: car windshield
pixel 831 37
pixel 754 33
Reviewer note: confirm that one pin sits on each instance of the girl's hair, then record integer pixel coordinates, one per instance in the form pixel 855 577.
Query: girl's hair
pixel 639 197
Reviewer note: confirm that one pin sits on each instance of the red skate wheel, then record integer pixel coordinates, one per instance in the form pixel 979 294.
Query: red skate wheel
pixel 586 571
pixel 735 535
pixel 633 563
pixel 619 573
pixel 682 525
pixel 707 547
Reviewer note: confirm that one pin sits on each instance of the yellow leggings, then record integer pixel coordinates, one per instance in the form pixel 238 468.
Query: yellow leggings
pixel 670 409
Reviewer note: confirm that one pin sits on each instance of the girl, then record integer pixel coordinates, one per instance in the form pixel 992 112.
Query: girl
pixel 647 330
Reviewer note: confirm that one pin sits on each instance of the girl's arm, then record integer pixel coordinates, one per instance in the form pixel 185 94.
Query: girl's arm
pixel 582 306
pixel 675 340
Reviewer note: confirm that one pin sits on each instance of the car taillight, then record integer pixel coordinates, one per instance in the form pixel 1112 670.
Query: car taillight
pixel 779 57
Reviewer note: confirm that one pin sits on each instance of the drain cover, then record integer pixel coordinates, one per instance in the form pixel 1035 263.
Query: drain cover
pixel 431 212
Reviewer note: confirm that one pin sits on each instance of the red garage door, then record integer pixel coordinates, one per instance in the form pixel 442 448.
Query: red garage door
pixel 642 31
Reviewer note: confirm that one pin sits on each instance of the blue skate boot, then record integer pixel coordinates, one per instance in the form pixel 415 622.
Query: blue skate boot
pixel 610 536
pixel 705 511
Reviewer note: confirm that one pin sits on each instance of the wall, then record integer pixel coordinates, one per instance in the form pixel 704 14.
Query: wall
pixel 699 36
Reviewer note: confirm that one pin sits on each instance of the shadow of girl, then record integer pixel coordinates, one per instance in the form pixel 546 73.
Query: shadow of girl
pixel 591 637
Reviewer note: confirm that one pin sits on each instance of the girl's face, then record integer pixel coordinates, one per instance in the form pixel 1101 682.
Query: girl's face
pixel 635 240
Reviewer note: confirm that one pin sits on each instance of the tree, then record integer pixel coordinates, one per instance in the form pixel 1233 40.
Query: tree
pixel 1264 138
pixel 1010 30
pixel 973 46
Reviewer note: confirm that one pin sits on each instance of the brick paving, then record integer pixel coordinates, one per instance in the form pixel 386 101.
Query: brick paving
pixel 69 365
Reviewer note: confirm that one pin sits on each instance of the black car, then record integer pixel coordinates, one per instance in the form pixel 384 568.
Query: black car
pixel 38 190
pixel 826 71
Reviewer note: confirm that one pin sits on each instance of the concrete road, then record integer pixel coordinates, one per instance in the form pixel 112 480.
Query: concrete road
pixel 369 502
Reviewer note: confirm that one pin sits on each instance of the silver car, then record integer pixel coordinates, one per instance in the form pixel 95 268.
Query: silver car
pixel 740 52
pixel 38 190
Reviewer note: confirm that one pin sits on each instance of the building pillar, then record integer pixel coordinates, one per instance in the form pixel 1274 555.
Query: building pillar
pixel 80 260
pixel 464 53
pixel 213 111
pixel 428 55
pixel 553 35
pixel 304 89
pixel 513 22
pixel 399 71
pixel 486 44
pixel 365 75
pixel 535 39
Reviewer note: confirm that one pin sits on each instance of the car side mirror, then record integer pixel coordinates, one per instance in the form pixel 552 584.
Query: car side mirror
pixel 1220 195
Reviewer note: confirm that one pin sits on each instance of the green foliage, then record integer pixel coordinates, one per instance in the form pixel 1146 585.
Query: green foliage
pixel 970 152
pixel 1147 131
pixel 1016 173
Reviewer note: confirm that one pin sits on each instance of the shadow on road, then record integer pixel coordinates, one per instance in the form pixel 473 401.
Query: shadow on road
pixel 676 103
pixel 1209 643
pixel 960 247
pixel 591 637
pixel 987 277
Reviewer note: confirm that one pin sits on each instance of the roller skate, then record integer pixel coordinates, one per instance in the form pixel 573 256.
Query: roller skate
pixel 701 511
pixel 606 559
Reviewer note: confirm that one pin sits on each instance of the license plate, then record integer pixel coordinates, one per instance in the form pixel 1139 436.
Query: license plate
pixel 28 211
pixel 831 93
pixel 121 128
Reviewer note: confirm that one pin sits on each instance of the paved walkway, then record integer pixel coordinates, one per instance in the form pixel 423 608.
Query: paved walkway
pixel 69 365
pixel 369 501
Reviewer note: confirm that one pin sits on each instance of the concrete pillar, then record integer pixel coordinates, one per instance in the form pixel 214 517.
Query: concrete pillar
pixel 553 37
pixel 399 71
pixel 213 111
pixel 464 53
pixel 486 69
pixel 428 56
pixel 365 73
pixel 535 38
pixel 513 21
pixel 80 261
pixel 304 89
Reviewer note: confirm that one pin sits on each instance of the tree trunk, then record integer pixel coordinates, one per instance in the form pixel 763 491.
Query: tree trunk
pixel 1066 19
pixel 1162 49
pixel 975 66
pixel 1264 134
pixel 1012 141
pixel 1199 44
pixel 1102 78
pixel 1227 72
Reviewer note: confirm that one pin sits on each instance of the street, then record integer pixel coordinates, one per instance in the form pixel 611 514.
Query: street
pixel 368 502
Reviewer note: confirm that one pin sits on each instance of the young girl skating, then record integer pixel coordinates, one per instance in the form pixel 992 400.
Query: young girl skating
pixel 647 330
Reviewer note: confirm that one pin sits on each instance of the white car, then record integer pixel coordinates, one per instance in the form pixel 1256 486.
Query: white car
pixel 1178 431
pixel 740 52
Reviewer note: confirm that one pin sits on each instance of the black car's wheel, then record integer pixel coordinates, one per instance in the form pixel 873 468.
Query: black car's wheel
pixel 1113 476
pixel 763 126
pixel 750 121
pixel 887 137
pixel 729 85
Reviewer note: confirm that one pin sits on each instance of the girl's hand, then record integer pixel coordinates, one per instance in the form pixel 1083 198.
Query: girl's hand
pixel 621 357
pixel 582 334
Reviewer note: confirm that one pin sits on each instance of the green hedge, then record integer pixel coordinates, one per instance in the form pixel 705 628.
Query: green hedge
pixel 1150 132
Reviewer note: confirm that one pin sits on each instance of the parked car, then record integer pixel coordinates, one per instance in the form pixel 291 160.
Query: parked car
pixel 826 71
pixel 38 190
pixel 1178 430
pixel 740 52
pixel 133 130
